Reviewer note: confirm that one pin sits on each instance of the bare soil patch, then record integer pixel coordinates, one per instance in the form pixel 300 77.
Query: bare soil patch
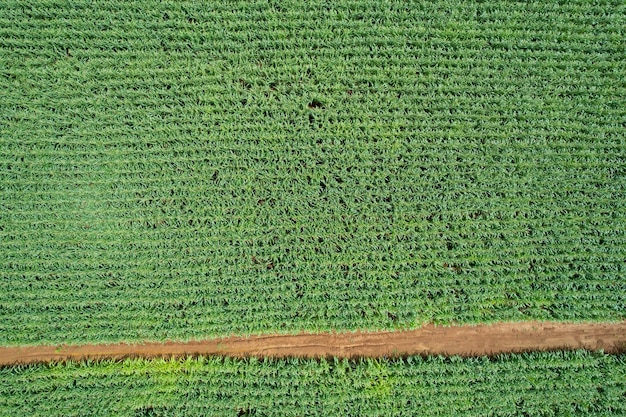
pixel 457 340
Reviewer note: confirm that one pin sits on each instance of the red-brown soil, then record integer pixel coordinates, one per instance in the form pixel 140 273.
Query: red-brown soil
pixel 459 340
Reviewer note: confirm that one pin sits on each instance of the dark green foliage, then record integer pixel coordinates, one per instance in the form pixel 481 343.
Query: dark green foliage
pixel 189 169
pixel 540 384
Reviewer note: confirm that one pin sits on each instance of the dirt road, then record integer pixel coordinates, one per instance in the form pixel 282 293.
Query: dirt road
pixel 460 340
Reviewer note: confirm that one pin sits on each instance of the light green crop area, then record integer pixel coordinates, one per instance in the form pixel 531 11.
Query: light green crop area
pixel 542 384
pixel 178 169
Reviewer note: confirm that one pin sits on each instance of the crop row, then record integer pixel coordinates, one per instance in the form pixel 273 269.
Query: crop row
pixel 540 384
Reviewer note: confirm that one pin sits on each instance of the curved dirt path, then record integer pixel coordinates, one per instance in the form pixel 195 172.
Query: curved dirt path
pixel 458 340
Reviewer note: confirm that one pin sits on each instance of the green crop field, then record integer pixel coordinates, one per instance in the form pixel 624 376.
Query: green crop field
pixel 546 384
pixel 179 169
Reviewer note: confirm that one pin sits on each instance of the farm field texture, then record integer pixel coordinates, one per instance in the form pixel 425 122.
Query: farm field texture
pixel 540 384
pixel 177 170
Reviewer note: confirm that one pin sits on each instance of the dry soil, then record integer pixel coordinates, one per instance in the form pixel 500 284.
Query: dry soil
pixel 457 340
